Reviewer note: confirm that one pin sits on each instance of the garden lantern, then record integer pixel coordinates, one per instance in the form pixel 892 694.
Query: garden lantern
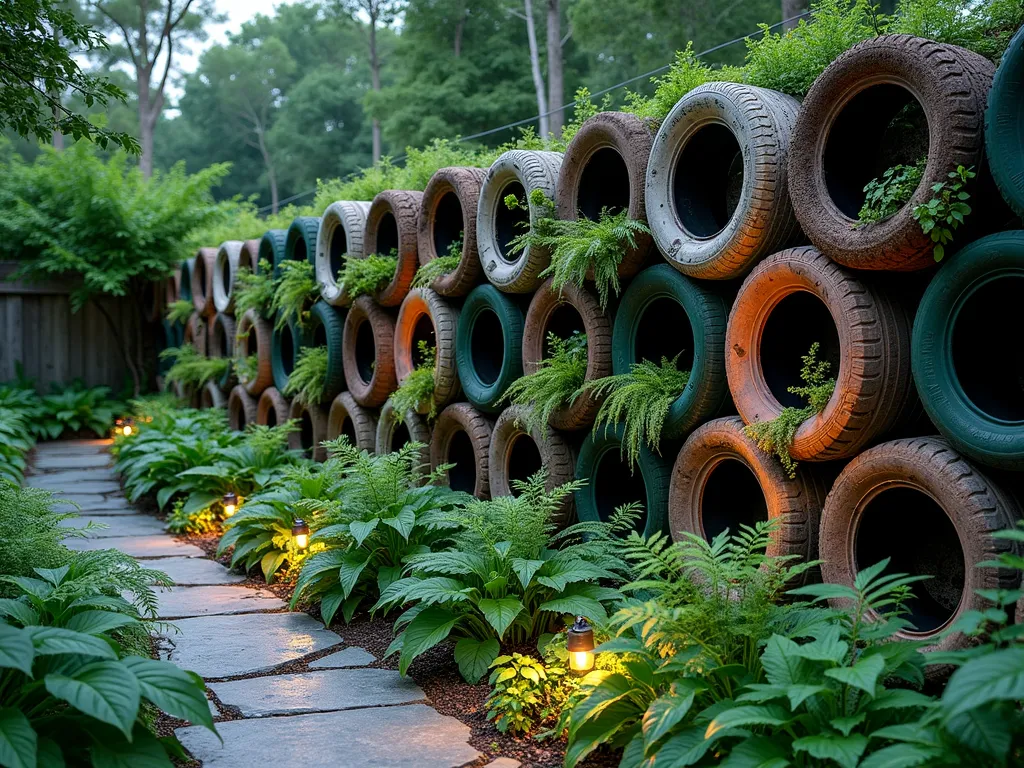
pixel 300 533
pixel 230 503
pixel 125 426
pixel 580 644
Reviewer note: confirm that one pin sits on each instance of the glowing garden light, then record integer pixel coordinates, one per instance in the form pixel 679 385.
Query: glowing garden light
pixel 300 533
pixel 230 503
pixel 580 644
pixel 125 426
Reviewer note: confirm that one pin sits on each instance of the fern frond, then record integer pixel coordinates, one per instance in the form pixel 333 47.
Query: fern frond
pixel 367 276
pixel 295 290
pixel 555 382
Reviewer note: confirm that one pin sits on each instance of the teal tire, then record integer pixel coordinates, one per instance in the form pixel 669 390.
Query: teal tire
pixel 663 314
pixel 488 346
pixel 300 241
pixel 185 279
pixel 965 351
pixel 272 248
pixel 1004 125
pixel 285 345
pixel 610 483
pixel 327 329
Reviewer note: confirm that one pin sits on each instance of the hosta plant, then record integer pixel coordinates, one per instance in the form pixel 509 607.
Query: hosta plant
pixel 438 266
pixel 417 389
pixel 306 382
pixel 555 382
pixel 77 408
pixel 254 290
pixel 367 276
pixel 294 293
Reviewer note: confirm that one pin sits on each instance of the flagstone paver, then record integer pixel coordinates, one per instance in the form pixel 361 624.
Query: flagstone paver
pixel 70 479
pixel 347 657
pixel 194 571
pixel 79 487
pixel 49 462
pixel 94 504
pixel 187 602
pixel 160 545
pixel 123 525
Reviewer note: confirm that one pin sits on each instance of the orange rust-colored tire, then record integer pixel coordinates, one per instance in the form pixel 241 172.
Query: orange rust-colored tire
pixel 202 281
pixel 368 353
pixel 241 408
pixel 462 436
pixel 312 423
pixel 447 215
pixel 392 223
pixel 425 316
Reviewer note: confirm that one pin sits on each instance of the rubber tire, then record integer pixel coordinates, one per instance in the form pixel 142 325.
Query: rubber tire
pixel 195 333
pixel 556 455
pixel 249 256
pixel 364 421
pixel 172 287
pixel 464 184
pixel 211 396
pixel 874 387
pixel 952 85
pixel 184 281
pixel 533 170
pixel 707 391
pixel 300 339
pixel 272 248
pixel 346 219
pixel 318 423
pixel 202 281
pixel 654 469
pixel 983 437
pixel 171 338
pixel 223 327
pixel 598 327
pixel 487 298
pixel 417 427
pixel 405 207
pixel 228 255
pixel 463 417
pixel 794 503
pixel 302 233
pixel 241 408
pixel 189 397
pixel 761 120
pixel 251 322
pixel 333 322
pixel 976 507
pixel 631 138
pixel 372 393
pixel 1004 125
pixel 272 401
pixel 444 318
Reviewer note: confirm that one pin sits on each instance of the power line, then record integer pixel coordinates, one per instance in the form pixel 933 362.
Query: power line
pixel 602 92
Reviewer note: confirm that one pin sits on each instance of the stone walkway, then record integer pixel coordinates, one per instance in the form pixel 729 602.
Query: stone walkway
pixel 340 714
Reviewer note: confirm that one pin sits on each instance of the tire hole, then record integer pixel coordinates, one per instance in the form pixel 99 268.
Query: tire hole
pixel 664 330
pixel 320 335
pixel 337 248
pixel 615 485
pixel 387 234
pixel 306 433
pixel 604 183
pixel 366 351
pixel 271 416
pixel 225 342
pixel 238 415
pixel 287 350
pixel 299 251
pixel 487 353
pixel 348 429
pixel 225 275
pixel 731 497
pixel 252 346
pixel 422 331
pixel 461 477
pixel 564 321
pixel 200 270
pixel 508 224
pixel 400 437
pixel 708 180
pixel 523 460
pixel 447 223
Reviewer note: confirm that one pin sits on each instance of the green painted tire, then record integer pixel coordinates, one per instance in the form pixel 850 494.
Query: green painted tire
pixel 1004 125
pixel 299 241
pixel 970 382
pixel 171 338
pixel 610 483
pixel 185 282
pixel 663 313
pixel 326 329
pixel 285 344
pixel 486 313
pixel 272 248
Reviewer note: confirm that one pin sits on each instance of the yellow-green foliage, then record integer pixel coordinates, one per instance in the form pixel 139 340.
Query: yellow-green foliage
pixel 306 382
pixel 238 219
pixel 254 290
pixel 180 311
pixel 294 291
pixel 418 387
pixel 522 691
pixel 368 275
pixel 555 382
pixel 191 368
pixel 686 73
pixel 436 267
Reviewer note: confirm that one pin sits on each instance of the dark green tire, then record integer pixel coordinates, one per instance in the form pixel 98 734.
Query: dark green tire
pixel 300 241
pixel 171 338
pixel 610 483
pixel 487 314
pixel 285 344
pixel 327 328
pixel 272 248
pixel 185 283
pixel 966 357
pixel 663 313
pixel 1004 125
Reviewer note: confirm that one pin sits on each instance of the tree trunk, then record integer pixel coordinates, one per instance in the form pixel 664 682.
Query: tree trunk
pixel 458 35
pixel 538 78
pixel 271 173
pixel 375 83
pixel 556 95
pixel 791 8
pixel 146 122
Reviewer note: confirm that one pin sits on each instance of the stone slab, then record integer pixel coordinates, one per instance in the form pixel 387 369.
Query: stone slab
pixel 324 691
pixel 347 657
pixel 70 479
pixel 390 737
pixel 229 646
pixel 503 762
pixel 123 525
pixel 79 488
pixel 94 504
pixel 138 546
pixel 194 571
pixel 69 447
pixel 182 602
pixel 52 462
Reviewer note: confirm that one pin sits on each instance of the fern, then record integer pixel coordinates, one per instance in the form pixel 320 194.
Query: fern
pixel 306 382
pixel 555 382
pixel 246 368
pixel 254 290
pixel 180 311
pixel 294 291
pixel 640 400
pixel 367 276
pixel 439 266
pixel 191 368
pixel 776 436
pixel 418 387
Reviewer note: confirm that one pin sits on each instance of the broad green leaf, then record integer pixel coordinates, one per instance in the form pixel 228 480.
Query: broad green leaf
pixel 500 613
pixel 164 494
pixel 28 585
pixel 16 649
pixel 50 641
pixel 21 612
pixel 54 575
pixel 403 522
pixel 846 724
pixel 313 567
pixel 429 628
pixel 621 644
pixel 475 656
pixel 525 569
pixel 177 692
pixel 329 604
pixel 758 752
pixel 899 698
pixel 782 666
pixel 49 755
pixel 827 647
pixel 352 566
pixel 901 756
pixel 996 676
pixel 18 740
pixel 360 530
pixel 738 717
pixel 144 751
pixel 270 562
pixel 667 711
pixel 610 688
pixel 845 750
pixel 984 730
pixel 577 605
pixel 104 690
pixel 797 694
pixel 596 731
pixel 387 575
pixel 863 675
pixel 686 747
pixel 198 501
pixel 98 622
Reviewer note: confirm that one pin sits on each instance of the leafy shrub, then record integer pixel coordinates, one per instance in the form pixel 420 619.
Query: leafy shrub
pixel 295 290
pixel 365 277
pixel 30 532
pixel 191 368
pixel 521 692
pixel 555 382
pixel 439 266
pixel 306 382
pixel 76 408
pixel 418 387
pixel 239 219
pixel 946 210
pixel 197 523
pixel 16 439
pixel 254 290
pixel 180 311
pixel 686 73
pixel 887 195
pixel 986 27
pixel 640 400
pixel 775 436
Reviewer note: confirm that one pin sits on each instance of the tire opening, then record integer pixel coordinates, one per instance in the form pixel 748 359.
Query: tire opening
pixel 615 485
pixel 796 322
pixel 447 223
pixel 708 180
pixel 271 416
pixel 461 477
pixel 508 224
pixel 523 460
pixel 909 527
pixel 252 346
pixel 366 351
pixel 287 350
pixel 225 275
pixel 320 335
pixel 731 497
pixel 337 248
pixel 880 127
pixel 185 281
pixel 348 429
pixel 400 437
pixel 664 330
pixel 238 415
pixel 225 342
pixel 200 271
pixel 306 433
pixel 387 234
pixel 987 328
pixel 486 352
pixel 564 321
pixel 422 331
pixel 299 252
pixel 604 183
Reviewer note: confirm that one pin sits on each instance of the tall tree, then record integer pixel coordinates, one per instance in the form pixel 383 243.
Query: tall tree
pixel 150 30
pixel 538 78
pixel 556 79
pixel 790 10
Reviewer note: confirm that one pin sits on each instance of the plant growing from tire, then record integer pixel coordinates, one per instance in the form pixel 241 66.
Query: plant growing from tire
pixel 294 292
pixel 439 267
pixel 192 369
pixel 555 382
pixel 254 290
pixel 417 389
pixel 886 195
pixel 179 311
pixel 306 382
pixel 366 276
pixel 775 436
pixel 945 212
pixel 246 368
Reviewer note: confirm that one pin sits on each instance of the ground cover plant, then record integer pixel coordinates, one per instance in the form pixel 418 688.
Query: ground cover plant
pixel 366 276
pixel 417 389
pixel 555 382
pixel 887 195
pixel 68 408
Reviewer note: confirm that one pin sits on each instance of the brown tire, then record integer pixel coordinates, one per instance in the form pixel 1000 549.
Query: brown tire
pixel 241 408
pixel 221 342
pixel 425 316
pixel 196 334
pixel 172 288
pixel 605 166
pixel 392 434
pixel 272 409
pixel 312 430
pixel 368 353
pixel 253 337
pixel 847 113
pixel 571 308
pixel 347 417
pixel 448 214
pixel 920 503
pixel 202 281
pixel 392 223
pixel 793 299
pixel 516 454
pixel 185 394
pixel 462 436
pixel 249 256
pixel 721 480
pixel 212 396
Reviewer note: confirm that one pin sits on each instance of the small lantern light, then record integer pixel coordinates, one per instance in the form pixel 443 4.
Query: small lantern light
pixel 580 644
pixel 230 503
pixel 300 533
pixel 125 426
